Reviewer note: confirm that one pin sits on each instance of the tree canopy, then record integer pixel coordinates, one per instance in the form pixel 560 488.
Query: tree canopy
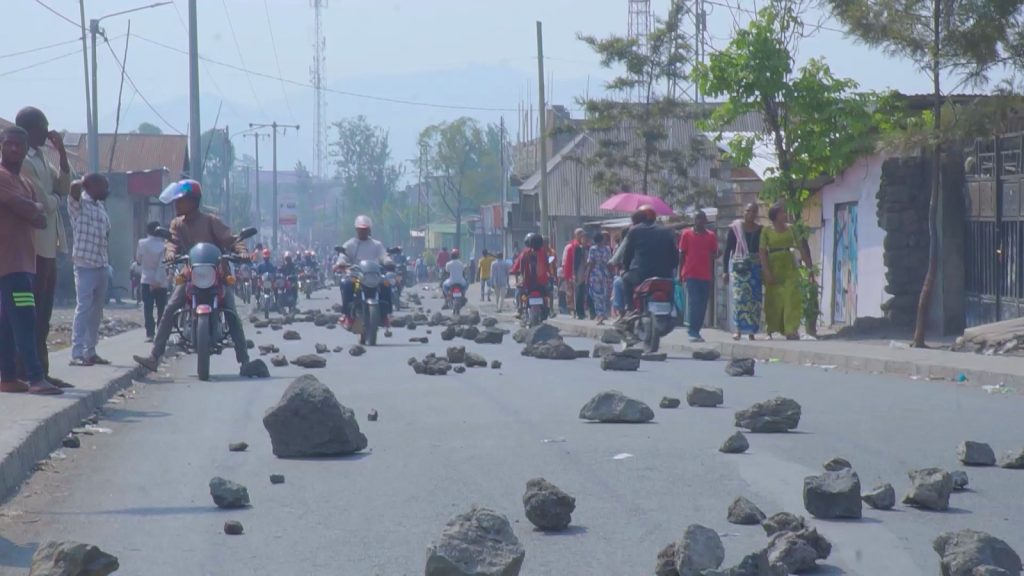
pixel 364 164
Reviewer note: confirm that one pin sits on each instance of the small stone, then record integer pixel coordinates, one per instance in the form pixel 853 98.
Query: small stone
pixel 279 361
pixel 322 349
pixel 490 336
pixel 233 528
pixel 291 335
pixel 1013 460
pixel 249 344
pixel 706 354
pixel 269 349
pixel 490 322
pixel 930 490
pixel 959 478
pixel 775 415
pixel 833 495
pixel 735 444
pixel 611 337
pixel 976 454
pixel 659 357
pixel 705 397
pixel 474 360
pixel 791 552
pixel 620 362
pixel 667 561
pixel 422 340
pixel 71 441
pixel 744 512
pixel 356 350
pixel 989 571
pixel 277 478
pixel 740 367
pixel 255 369
pixel 547 506
pixel 837 464
pixel 460 369
pixel 228 494
pixel 550 350
pixel 276 327
pixel 669 403
pixel 448 334
pixel 67 558
pixel 495 364
pixel 782 522
pixel 338 350
pixel 964 551
pixel 699 549
pixel 602 350
pixel 310 361
pixel 456 354
pixel 238 447
pixel 372 416
pixel 470 333
pixel 880 497
pixel 614 406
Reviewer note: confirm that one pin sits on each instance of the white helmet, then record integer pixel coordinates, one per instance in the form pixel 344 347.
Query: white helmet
pixel 363 221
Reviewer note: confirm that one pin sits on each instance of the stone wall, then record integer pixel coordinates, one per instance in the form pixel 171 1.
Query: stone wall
pixel 903 215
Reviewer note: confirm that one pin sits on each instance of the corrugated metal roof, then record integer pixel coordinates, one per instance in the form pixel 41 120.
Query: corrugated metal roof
pixel 764 162
pixel 137 152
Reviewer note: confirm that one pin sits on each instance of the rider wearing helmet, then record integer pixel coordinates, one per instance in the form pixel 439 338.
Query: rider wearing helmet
pixel 192 226
pixel 532 264
pixel 266 266
pixel 455 270
pixel 359 249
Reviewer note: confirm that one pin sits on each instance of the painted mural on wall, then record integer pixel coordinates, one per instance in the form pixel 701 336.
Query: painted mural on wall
pixel 844 262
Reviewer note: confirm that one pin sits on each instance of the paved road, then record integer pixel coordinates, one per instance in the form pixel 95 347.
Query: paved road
pixel 445 443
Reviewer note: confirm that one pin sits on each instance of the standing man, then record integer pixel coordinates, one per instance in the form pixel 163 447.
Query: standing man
pixel 499 279
pixel 20 217
pixel 442 261
pixel 150 255
pixel 574 264
pixel 91 227
pixel 486 267
pixel 698 248
pixel 51 187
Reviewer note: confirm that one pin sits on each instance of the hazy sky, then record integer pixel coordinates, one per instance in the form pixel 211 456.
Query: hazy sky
pixel 473 53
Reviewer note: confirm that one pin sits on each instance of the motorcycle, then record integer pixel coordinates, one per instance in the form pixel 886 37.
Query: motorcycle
pixel 367 316
pixel 534 307
pixel 285 295
pixel 653 301
pixel 307 280
pixel 202 322
pixel 456 298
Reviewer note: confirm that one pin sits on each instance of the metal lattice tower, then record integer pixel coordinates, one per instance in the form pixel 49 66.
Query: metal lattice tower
pixel 639 26
pixel 316 77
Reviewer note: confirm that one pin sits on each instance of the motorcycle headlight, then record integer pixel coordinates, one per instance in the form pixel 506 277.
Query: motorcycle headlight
pixel 371 279
pixel 204 276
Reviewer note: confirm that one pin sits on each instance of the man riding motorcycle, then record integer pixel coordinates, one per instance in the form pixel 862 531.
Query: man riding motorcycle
pixel 267 266
pixel 358 249
pixel 455 272
pixel 650 253
pixel 532 264
pixel 191 226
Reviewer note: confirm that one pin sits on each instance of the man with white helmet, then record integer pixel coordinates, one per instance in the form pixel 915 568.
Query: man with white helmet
pixel 362 248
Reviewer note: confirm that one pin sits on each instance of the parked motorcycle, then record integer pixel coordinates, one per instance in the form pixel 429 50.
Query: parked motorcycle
pixel 653 300
pixel 202 322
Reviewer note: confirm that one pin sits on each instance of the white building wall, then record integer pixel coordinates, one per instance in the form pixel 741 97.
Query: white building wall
pixel 859 183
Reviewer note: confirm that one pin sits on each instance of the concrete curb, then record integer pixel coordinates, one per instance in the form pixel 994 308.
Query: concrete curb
pixel 851 362
pixel 35 439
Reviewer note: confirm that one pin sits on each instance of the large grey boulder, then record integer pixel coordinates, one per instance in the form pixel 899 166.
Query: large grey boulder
pixel 782 522
pixel 456 354
pixel 620 362
pixel 699 549
pixel 972 453
pixel 744 512
pixel 880 497
pixel 789 551
pixel 611 336
pixel 735 444
pixel 477 543
pixel 740 367
pixel 706 354
pixel 547 506
pixel 228 494
pixel 309 421
pixel 705 397
pixel 490 335
pixel 961 552
pixel 666 565
pixel 474 360
pixel 602 350
pixel 833 495
pixel 755 564
pixel 540 334
pixel 67 558
pixel 1013 460
pixel 836 464
pixel 550 350
pixel 775 415
pixel 614 406
pixel 930 489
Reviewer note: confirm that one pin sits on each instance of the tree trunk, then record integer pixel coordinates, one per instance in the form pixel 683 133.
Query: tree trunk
pixel 921 323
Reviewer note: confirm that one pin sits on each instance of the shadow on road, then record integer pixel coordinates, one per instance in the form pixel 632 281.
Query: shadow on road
pixel 123 416
pixel 16 556
pixel 142 511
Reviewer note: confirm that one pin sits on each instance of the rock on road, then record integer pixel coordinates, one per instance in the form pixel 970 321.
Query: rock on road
pixel 443 444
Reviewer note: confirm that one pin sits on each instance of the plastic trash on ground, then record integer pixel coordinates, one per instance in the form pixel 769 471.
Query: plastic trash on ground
pixel 622 456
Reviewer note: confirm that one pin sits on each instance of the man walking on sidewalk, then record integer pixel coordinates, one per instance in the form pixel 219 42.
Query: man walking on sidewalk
pixel 698 248
pixel 20 217
pixel 150 254
pixel 499 279
pixel 486 264
pixel 91 227
pixel 51 187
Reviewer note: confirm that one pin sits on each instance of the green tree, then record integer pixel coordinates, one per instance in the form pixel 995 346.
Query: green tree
pixel 962 39
pixel 147 128
pixel 816 123
pixel 634 148
pixel 364 164
pixel 218 156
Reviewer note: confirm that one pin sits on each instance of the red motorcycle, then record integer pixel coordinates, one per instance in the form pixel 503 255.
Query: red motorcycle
pixel 653 300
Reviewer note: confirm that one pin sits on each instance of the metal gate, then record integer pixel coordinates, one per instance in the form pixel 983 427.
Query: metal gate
pixel 994 255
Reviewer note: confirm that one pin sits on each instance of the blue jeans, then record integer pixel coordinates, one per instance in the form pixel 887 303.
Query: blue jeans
pixel 91 294
pixel 697 293
pixel 18 328
pixel 618 296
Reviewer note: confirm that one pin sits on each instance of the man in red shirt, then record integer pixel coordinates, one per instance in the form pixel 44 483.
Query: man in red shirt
pixel 698 248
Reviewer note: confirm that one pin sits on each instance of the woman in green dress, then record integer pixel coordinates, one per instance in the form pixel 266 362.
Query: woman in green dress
pixel 783 305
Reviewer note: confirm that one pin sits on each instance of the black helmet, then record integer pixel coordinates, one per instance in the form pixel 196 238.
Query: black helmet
pixel 534 241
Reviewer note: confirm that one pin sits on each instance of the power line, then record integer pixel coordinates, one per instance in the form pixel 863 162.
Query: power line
pixel 331 90
pixel 137 91
pixel 751 12
pixel 39 49
pixel 277 61
pixel 238 48
pixel 59 15
pixel 41 63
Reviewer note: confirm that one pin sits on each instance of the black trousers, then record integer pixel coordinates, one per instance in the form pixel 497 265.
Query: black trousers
pixel 153 296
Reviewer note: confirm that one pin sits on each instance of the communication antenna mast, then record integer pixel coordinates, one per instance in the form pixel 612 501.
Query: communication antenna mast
pixel 639 25
pixel 316 76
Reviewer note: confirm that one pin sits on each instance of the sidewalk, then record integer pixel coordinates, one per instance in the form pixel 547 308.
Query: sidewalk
pixel 31 427
pixel 852 356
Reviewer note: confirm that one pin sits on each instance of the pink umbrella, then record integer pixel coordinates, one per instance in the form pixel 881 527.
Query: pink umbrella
pixel 631 202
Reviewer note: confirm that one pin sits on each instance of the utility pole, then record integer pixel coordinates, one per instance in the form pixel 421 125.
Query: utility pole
pixel 94 128
pixel 274 126
pixel 504 189
pixel 88 96
pixel 544 224
pixel 195 140
pixel 259 209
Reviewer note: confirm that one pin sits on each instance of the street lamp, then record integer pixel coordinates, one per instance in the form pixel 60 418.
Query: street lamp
pixel 94 30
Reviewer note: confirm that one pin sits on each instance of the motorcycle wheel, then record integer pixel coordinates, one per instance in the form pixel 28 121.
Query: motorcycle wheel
pixel 203 347
pixel 535 316
pixel 456 306
pixel 266 307
pixel 652 341
pixel 371 325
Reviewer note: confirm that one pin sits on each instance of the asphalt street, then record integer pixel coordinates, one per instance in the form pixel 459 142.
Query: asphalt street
pixel 444 443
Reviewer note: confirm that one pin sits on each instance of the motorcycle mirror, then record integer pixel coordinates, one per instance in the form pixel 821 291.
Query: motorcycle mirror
pixel 247 233
pixel 162 232
pixel 339 249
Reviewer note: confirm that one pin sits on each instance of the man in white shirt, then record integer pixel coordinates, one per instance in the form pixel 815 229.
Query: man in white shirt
pixel 455 269
pixel 362 248
pixel 150 255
